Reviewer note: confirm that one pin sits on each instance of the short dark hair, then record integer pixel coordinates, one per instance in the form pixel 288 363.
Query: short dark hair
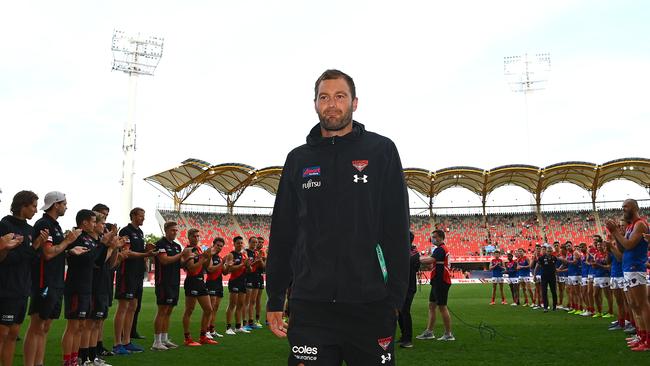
pixel 598 238
pixel 218 239
pixel 192 231
pixel 170 224
pixel 260 238
pixel 236 238
pixel 135 211
pixel 332 74
pixel 84 215
pixel 440 233
pixel 100 207
pixel 22 199
pixel 251 238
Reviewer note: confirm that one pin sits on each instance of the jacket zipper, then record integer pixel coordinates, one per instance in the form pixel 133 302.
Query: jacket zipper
pixel 335 190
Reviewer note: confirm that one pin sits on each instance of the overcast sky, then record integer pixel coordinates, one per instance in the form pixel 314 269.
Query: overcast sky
pixel 235 84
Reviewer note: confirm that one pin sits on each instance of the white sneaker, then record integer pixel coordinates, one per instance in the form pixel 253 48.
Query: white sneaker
pixel 535 307
pixel 216 335
pixel 229 331
pixel 88 363
pixel 159 347
pixel 427 334
pixel 241 330
pixel 100 362
pixel 587 313
pixel 447 337
pixel 169 344
pixel 513 304
pixel 208 335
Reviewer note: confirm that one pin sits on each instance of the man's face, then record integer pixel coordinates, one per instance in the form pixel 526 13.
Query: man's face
pixel 88 226
pixel 104 212
pixel 238 245
pixel 252 243
pixel 99 226
pixel 28 211
pixel 334 104
pixel 629 209
pixel 138 218
pixel 61 207
pixel 171 233
pixel 260 243
pixel 193 238
pixel 217 247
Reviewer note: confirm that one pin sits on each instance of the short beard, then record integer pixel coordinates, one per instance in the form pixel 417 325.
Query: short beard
pixel 336 125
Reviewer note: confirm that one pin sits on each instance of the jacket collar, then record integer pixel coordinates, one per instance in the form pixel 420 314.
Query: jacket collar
pixel 315 138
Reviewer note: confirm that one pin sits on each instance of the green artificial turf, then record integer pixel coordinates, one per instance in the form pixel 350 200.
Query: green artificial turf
pixel 510 335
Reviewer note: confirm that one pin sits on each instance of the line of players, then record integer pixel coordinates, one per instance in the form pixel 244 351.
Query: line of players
pixel 33 264
pixel 615 268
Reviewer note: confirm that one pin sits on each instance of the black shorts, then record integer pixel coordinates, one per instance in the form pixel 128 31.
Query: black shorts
pixel 254 281
pixel 47 307
pixel 77 306
pixel 12 310
pixel 167 294
pixel 320 333
pixel 215 288
pixel 195 287
pixel 99 306
pixel 439 293
pixel 237 286
pixel 128 287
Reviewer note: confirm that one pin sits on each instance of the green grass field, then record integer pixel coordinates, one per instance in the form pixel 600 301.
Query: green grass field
pixel 528 336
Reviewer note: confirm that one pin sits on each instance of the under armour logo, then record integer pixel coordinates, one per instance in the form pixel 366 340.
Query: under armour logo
pixel 385 358
pixel 364 178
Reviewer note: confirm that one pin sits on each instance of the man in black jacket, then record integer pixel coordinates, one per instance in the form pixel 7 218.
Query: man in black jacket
pixel 340 232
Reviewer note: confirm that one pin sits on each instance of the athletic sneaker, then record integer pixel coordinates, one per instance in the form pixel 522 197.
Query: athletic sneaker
pixel 258 325
pixel 190 343
pixel 535 307
pixel 406 345
pixel 615 326
pixel 608 315
pixel 120 350
pixel 629 329
pixel 504 302
pixel 587 313
pixel 206 340
pixel 642 347
pixel 492 302
pixel 133 348
pixel 247 327
pixel 242 330
pixel 513 304
pixel 105 353
pixel 169 344
pixel 597 315
pixel 427 334
pixel 229 331
pixel 159 347
pixel 99 362
pixel 447 337
pixel 88 363
pixel 208 335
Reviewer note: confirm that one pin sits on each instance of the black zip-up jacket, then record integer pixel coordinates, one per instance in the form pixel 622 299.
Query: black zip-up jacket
pixel 337 199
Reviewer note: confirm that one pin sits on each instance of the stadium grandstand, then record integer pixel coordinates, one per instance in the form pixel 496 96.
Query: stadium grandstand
pixel 472 236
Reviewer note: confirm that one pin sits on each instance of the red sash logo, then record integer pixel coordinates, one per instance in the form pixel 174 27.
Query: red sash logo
pixel 360 164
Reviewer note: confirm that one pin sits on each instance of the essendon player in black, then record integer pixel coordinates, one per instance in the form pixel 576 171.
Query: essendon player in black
pixel 104 210
pixel 168 280
pixel 130 276
pixel 214 283
pixel 47 278
pixel 194 260
pixel 253 283
pixel 236 265
pixel 78 287
pixel 15 262
pixel 260 270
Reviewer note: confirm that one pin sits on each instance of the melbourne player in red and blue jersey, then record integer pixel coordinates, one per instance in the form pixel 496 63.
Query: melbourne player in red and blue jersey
pixel 497 267
pixel 635 257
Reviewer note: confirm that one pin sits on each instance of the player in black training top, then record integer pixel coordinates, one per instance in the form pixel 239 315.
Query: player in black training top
pixel 214 283
pixel 47 278
pixel 15 271
pixel 261 269
pixel 253 282
pixel 101 208
pixel 168 280
pixel 128 286
pixel 78 286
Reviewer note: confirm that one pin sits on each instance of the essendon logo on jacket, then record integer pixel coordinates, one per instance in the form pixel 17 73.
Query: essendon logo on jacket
pixel 360 164
pixel 313 171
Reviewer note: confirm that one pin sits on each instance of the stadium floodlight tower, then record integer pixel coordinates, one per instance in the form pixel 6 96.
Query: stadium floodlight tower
pixel 526 74
pixel 134 55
